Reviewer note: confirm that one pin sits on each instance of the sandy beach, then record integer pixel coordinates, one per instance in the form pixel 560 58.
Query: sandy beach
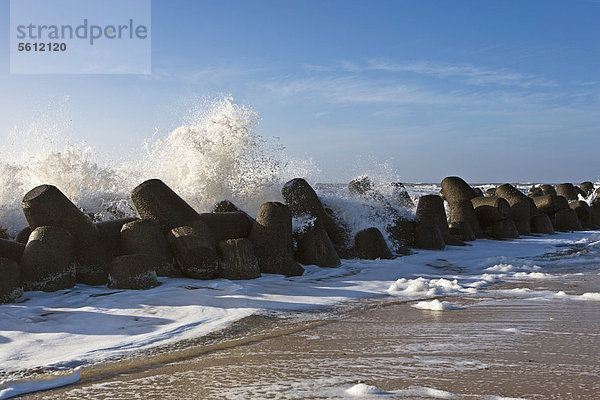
pixel 493 345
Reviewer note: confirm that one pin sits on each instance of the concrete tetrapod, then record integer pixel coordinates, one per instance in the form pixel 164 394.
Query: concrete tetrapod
pixel 194 250
pixel 566 220
pixel 583 212
pixel 541 223
pixel 47 262
pixel 11 249
pixel 110 234
pixel 595 211
pixel 490 210
pixel 369 244
pixel 302 200
pixel 146 237
pixel 23 235
pixel 548 189
pixel 227 225
pixel 10 282
pixel 535 191
pixel 155 200
pixel 505 229
pixel 132 271
pixel 456 189
pixel 431 211
pixel 45 205
pixel 520 209
pixel 315 248
pixel 237 260
pixel 567 190
pixel 549 204
pixel 462 212
pixel 587 187
pixel 271 236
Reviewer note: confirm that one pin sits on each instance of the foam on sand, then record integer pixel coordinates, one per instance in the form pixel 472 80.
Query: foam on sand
pixel 364 390
pixel 361 390
pixel 591 296
pixel 88 324
pixel 548 295
pixel 428 287
pixel 18 388
pixel 435 305
pixel 532 275
pixel 426 392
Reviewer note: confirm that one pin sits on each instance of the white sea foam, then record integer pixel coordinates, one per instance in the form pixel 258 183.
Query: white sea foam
pixel 359 213
pixel 364 390
pixel 361 390
pixel 428 287
pixel 501 268
pixel 302 223
pixel 435 305
pixel 532 275
pixel 12 389
pixel 501 271
pixel 511 330
pixel 426 392
pixel 511 268
pixel 530 294
pixel 591 296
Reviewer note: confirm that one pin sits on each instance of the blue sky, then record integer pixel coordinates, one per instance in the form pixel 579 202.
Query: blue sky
pixel 488 90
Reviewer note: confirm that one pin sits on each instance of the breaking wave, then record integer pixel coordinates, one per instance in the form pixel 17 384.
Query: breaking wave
pixel 217 155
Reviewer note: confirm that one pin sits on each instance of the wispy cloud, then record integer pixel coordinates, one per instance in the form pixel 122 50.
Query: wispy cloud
pixel 201 75
pixel 356 90
pixel 466 73
pixel 481 110
pixel 319 68
pixel 587 83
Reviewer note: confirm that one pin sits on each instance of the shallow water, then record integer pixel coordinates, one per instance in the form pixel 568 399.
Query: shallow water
pixel 496 344
pixel 533 334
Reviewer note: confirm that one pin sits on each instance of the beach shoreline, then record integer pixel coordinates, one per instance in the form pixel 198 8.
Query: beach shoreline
pixel 494 345
pixel 365 290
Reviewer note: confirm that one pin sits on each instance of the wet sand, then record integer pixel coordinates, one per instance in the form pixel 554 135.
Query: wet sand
pixel 497 345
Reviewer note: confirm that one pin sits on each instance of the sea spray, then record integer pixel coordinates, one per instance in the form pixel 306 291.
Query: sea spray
pixel 220 156
pixel 358 213
pixel 217 155
pixel 98 189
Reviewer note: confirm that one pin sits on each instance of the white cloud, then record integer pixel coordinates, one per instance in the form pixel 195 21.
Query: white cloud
pixel 354 89
pixel 466 73
pixel 200 75
pixel 318 68
pixel 507 110
pixel 358 89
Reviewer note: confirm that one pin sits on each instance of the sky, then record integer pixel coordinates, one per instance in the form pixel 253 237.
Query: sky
pixel 493 91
